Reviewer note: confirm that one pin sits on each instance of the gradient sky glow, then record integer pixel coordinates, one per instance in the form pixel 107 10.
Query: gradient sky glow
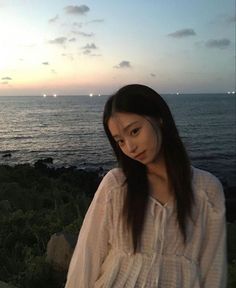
pixel 73 47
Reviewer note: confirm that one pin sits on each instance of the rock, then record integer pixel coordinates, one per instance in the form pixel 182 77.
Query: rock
pixel 48 160
pixel 44 164
pixel 5 285
pixel 44 161
pixel 7 155
pixel 60 249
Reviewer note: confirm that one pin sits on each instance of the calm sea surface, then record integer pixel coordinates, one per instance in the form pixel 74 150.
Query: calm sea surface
pixel 69 129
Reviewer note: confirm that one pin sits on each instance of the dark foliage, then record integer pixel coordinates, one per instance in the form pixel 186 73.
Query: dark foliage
pixel 36 202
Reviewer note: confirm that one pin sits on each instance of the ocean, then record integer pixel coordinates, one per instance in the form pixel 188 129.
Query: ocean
pixel 69 129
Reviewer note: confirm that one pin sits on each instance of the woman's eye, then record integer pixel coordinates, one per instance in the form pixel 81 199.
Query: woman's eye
pixel 135 131
pixel 120 142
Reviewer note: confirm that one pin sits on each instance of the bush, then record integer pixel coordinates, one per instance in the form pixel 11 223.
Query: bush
pixel 34 204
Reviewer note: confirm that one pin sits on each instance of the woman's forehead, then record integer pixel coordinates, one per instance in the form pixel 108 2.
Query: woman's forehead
pixel 123 117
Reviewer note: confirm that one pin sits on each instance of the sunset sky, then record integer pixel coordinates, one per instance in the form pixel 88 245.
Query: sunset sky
pixel 73 47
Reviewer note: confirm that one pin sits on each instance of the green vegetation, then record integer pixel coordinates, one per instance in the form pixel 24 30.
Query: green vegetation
pixel 36 202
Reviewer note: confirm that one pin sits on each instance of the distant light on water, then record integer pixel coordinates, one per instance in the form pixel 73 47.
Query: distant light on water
pixel 91 94
pixel 54 95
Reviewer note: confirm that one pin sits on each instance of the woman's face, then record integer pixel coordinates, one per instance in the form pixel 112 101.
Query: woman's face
pixel 138 137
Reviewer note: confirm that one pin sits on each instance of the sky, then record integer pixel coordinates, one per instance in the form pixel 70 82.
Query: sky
pixel 76 48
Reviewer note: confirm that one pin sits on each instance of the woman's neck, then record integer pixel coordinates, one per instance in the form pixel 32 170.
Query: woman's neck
pixel 158 169
pixel 160 187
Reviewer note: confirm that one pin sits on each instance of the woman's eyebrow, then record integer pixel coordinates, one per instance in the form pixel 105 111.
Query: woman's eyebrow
pixel 129 125
pixel 126 128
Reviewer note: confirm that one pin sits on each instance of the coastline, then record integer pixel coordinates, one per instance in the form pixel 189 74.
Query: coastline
pixel 45 167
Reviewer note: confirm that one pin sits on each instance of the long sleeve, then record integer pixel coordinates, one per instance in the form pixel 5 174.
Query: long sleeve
pixel 93 241
pixel 213 260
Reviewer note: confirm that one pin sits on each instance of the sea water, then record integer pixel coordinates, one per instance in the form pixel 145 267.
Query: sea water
pixel 69 129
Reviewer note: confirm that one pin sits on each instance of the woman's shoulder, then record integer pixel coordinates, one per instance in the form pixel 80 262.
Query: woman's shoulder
pixel 207 186
pixel 115 177
pixel 203 177
pixel 112 182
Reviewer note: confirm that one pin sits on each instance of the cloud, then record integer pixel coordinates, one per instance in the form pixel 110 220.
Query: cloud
pixel 6 78
pixel 95 21
pixel 54 19
pixel 218 43
pixel 123 64
pixel 53 71
pixel 87 52
pixel 182 33
pixel 59 40
pixel 72 40
pixel 90 46
pixel 83 33
pixel 86 34
pixel 153 74
pixel 4 83
pixel 80 10
pixel 45 63
pixel 87 49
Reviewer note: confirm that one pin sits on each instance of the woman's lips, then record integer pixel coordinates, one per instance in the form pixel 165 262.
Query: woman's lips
pixel 140 155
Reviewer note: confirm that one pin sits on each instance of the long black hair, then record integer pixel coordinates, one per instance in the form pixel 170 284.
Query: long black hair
pixel 144 101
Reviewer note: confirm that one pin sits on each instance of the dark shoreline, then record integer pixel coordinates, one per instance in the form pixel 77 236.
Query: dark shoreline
pixel 45 166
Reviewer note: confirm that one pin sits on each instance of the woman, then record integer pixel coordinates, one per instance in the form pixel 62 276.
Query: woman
pixel 156 221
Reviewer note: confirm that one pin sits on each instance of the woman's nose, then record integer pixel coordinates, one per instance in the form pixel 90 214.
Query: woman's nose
pixel 131 146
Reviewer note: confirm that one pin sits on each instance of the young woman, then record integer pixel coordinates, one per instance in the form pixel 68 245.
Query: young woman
pixel 155 221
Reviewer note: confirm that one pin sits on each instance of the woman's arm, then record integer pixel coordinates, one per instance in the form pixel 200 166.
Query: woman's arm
pixel 213 260
pixel 93 242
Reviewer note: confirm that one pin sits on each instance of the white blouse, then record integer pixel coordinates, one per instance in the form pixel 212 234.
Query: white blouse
pixel 103 256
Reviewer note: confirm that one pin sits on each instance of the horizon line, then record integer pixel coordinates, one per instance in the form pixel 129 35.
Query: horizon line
pixel 99 95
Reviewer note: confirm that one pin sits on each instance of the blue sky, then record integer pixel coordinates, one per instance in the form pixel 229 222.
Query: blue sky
pixel 73 47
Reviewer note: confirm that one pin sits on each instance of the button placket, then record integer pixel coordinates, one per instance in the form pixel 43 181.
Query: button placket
pixel 159 214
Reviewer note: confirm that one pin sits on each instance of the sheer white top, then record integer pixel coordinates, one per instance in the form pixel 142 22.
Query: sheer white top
pixel 103 256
